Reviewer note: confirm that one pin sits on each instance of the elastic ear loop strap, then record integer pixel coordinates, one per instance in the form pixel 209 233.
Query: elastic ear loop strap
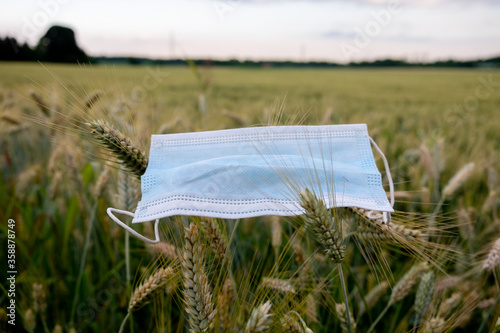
pixel 110 212
pixel 387 215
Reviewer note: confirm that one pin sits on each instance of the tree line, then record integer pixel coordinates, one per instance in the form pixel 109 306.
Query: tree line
pixel 59 45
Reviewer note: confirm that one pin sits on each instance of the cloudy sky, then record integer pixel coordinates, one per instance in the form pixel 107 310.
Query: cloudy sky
pixel 337 30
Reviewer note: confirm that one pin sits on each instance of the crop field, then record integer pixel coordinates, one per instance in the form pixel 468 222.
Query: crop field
pixel 74 140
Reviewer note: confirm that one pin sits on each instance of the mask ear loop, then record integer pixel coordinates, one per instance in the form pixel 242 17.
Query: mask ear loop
pixel 386 215
pixel 110 212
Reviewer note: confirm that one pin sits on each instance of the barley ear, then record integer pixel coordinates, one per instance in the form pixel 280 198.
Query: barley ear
pixel 42 104
pixel 406 283
pixel 120 146
pixel 260 319
pixel 281 285
pixel 92 99
pixel 153 286
pixel 341 312
pixel 434 325
pixel 322 225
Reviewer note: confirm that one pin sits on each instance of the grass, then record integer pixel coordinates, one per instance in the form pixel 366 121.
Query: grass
pixel 51 185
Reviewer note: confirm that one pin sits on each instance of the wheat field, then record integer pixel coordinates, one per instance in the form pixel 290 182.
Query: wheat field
pixel 75 140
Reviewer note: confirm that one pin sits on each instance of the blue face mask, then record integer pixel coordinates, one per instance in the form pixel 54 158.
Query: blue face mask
pixel 258 171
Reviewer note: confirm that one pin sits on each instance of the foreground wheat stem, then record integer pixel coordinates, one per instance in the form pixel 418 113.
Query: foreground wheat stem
pixel 372 327
pixel 402 289
pixel 423 296
pixel 83 259
pixel 127 273
pixel 344 293
pixel 150 288
pixel 122 326
pixel 484 323
pixel 122 148
pixel 197 295
pixel 328 232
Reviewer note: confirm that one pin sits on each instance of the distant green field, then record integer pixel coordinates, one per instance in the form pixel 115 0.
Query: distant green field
pixel 430 123
pixel 409 107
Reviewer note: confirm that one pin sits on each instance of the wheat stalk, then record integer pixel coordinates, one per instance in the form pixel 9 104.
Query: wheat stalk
pixel 402 289
pixel 458 179
pixel 368 216
pixel 384 231
pixel 92 99
pixel 41 103
pixel 492 179
pixel 29 320
pixel 496 329
pixel 100 185
pixel 490 203
pixel 276 231
pixel 493 259
pixel 373 296
pixel 449 304
pixel 406 283
pixel 424 294
pixel 391 233
pixel 225 301
pixel 215 237
pixel 434 325
pixel 278 284
pixel 197 294
pixel 156 283
pixel 150 288
pixel 296 244
pixel 291 324
pixel 342 314
pixel 430 166
pixel 321 223
pixel 167 250
pixel 260 319
pixel 238 121
pixel 29 176
pixel 311 309
pixel 120 146
pixel 9 119
pixel 486 303
pixel 39 303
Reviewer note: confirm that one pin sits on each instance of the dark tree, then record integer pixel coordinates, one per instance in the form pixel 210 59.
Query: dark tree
pixel 59 45
pixel 9 49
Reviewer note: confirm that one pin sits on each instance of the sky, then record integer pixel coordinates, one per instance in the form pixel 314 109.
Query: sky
pixel 335 30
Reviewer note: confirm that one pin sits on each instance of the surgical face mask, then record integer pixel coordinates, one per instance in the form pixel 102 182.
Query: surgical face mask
pixel 250 172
